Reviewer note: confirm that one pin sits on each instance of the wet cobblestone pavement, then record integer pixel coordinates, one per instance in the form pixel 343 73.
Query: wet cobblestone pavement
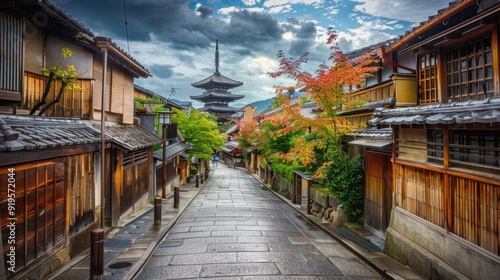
pixel 233 227
pixel 237 229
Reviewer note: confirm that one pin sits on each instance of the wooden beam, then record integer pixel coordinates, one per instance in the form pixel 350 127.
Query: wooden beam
pixel 17 157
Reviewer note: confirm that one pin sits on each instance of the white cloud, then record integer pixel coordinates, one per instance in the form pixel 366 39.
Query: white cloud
pixel 280 9
pixel 228 10
pixel 261 64
pixel 249 2
pixel 272 3
pixel 287 36
pixel 398 9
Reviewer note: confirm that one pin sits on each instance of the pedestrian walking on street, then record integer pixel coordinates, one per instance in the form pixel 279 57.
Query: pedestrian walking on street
pixel 215 160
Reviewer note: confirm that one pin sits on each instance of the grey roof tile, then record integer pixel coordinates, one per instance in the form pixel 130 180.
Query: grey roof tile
pixel 128 136
pixel 466 112
pixel 42 133
pixel 488 117
pixel 14 145
pixel 172 150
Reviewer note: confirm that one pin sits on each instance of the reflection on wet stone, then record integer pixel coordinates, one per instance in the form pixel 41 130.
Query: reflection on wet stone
pixel 235 229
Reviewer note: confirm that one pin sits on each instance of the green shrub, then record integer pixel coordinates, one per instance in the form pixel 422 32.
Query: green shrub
pixel 286 170
pixel 344 178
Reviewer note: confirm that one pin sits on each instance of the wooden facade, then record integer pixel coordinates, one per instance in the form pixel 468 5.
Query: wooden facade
pixel 378 191
pixel 445 153
pixel 74 103
pixel 460 194
pixel 49 190
pixel 137 177
pixel 56 161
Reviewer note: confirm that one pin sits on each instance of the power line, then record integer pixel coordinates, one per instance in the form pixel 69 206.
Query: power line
pixel 126 25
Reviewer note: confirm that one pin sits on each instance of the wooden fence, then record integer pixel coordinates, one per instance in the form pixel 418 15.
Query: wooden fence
pixel 467 207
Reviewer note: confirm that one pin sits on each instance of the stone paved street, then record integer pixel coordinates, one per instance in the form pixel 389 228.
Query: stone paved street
pixel 235 228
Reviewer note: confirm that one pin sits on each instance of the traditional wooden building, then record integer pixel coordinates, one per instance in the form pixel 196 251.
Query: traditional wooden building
pixel 50 142
pixel 177 162
pixel 392 86
pixel 47 174
pixel 216 96
pixel 443 165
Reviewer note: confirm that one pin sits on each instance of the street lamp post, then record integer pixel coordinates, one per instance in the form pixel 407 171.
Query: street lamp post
pixel 164 119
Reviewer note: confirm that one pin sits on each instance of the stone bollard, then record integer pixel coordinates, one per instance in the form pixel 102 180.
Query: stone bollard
pixel 176 197
pixel 96 254
pixel 157 221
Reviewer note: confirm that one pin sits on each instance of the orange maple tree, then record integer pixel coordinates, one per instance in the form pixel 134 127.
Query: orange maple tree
pixel 328 88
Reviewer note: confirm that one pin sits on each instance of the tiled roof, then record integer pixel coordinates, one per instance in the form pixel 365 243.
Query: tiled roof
pixel 217 95
pixel 472 111
pixel 370 106
pixel 232 129
pixel 230 146
pixel 173 150
pixel 215 81
pixel 309 110
pixel 32 133
pixel 221 109
pixel 372 137
pixel 128 136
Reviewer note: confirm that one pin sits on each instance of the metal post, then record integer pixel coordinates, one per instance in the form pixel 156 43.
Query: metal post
pixel 197 180
pixel 206 176
pixel 157 221
pixel 308 200
pixel 176 197
pixel 201 177
pixel 96 254
pixel 164 166
pixel 103 131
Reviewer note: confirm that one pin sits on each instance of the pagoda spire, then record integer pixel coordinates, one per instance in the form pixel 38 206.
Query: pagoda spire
pixel 216 56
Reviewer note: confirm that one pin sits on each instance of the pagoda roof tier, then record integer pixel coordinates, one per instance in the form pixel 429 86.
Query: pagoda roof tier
pixel 210 95
pixel 218 109
pixel 217 81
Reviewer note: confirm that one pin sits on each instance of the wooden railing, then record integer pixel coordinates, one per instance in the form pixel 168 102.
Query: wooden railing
pixel 374 93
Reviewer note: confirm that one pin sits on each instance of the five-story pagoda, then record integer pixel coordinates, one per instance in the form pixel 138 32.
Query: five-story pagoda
pixel 216 96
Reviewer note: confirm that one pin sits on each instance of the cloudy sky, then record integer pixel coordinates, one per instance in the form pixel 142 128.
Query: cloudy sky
pixel 175 39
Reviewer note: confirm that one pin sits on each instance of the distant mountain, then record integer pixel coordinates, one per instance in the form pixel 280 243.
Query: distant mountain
pixel 261 105
pixel 182 103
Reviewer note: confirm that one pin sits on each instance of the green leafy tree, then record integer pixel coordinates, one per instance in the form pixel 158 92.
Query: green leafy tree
pixel 198 129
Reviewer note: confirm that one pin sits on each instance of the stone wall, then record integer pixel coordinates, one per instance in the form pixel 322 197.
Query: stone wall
pixel 326 207
pixel 433 252
pixel 281 186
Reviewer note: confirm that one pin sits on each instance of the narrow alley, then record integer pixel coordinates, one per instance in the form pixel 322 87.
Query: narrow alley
pixel 237 228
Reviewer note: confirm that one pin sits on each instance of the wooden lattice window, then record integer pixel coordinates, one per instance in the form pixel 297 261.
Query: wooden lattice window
pixel 470 71
pixel 475 150
pixel 428 85
pixel 134 157
pixel 11 53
